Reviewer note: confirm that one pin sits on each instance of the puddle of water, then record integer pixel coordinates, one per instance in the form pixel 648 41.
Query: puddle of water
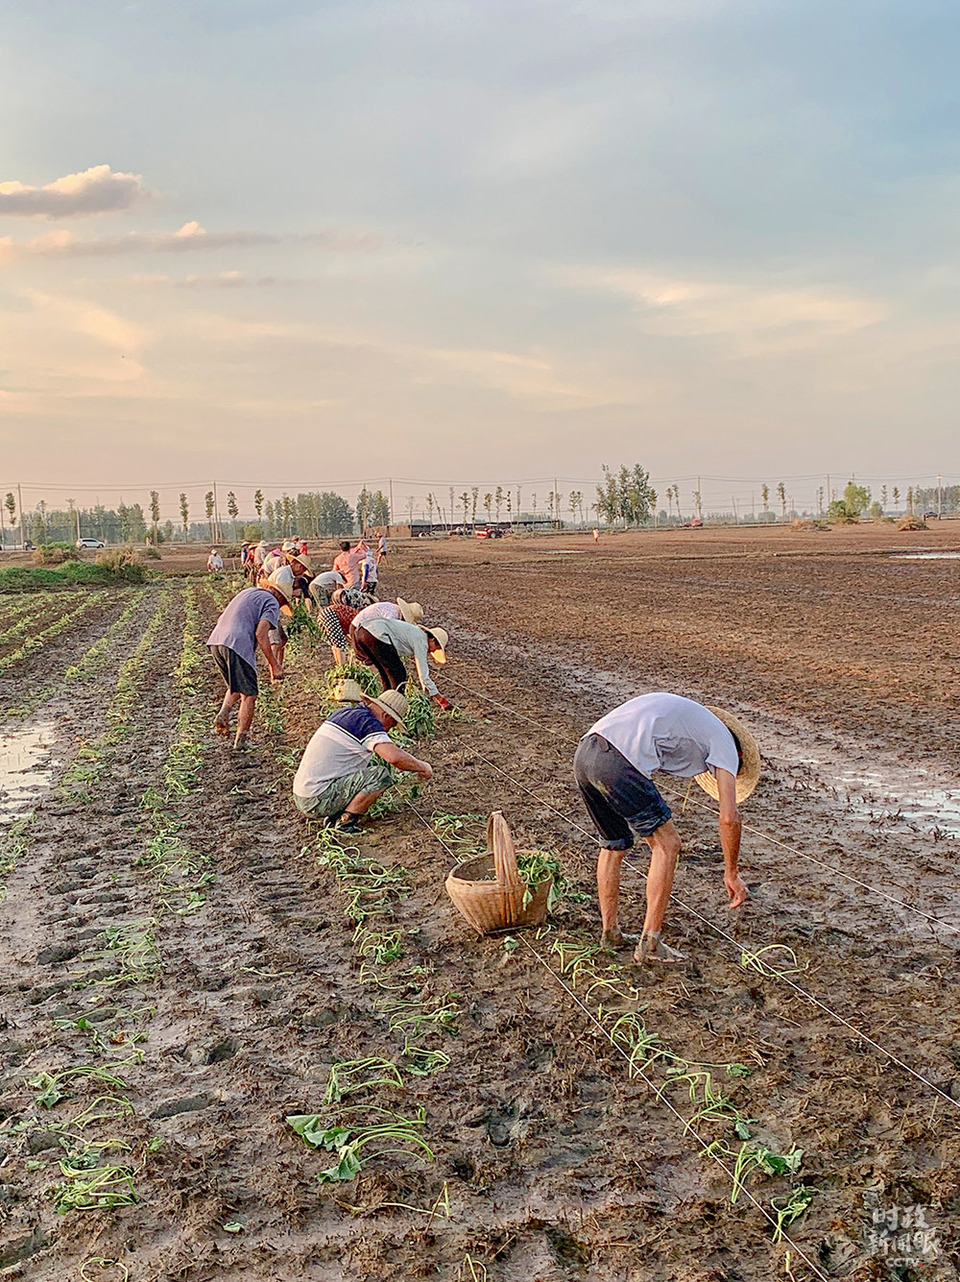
pixel 26 765
pixel 937 806
pixel 562 551
pixel 926 556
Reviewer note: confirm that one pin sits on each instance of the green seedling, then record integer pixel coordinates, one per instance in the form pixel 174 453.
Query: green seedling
pixel 423 1062
pixel 412 1018
pixel 349 1142
pixel 93 1189
pixel 101 1262
pixel 351 1076
pixel 790 1208
pixel 755 961
pixel 49 1085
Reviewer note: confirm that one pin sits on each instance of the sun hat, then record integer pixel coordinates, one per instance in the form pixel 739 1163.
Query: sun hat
pixel 288 545
pixel 410 611
pixel 282 580
pixel 349 692
pixel 392 703
pixel 442 638
pixel 749 773
pixel 302 557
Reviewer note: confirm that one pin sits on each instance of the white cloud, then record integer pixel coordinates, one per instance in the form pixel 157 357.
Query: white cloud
pixel 191 236
pixel 752 318
pixel 94 191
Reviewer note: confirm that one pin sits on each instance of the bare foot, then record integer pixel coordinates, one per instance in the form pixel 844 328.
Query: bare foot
pixel 612 941
pixel 652 949
pixel 221 727
pixel 241 743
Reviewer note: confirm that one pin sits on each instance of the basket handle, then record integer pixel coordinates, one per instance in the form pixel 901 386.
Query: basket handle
pixel 500 843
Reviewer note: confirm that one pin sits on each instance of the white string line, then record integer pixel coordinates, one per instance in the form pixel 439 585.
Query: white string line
pixel 635 1068
pixel 757 832
pixel 773 975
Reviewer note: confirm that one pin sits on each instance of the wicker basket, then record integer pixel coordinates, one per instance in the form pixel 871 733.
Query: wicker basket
pixel 490 906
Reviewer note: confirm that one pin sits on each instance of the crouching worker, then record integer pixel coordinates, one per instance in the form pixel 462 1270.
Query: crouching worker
pixel 346 765
pixel 613 764
pixel 244 626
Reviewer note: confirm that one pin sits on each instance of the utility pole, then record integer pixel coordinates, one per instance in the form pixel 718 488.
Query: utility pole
pixel 829 495
pixel 390 513
pixel 939 497
pixel 23 537
pixel 556 506
pixel 451 507
pixel 736 514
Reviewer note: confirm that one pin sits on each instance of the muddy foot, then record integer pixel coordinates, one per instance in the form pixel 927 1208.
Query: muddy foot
pixel 652 949
pixel 612 941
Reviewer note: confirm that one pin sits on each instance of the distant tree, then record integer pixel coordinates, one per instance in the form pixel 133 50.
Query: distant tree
pixel 465 500
pixel 208 505
pixel 509 497
pixel 233 510
pixel 855 501
pixel 488 504
pixel 379 509
pixel 270 518
pixel 498 501
pixel 155 514
pixel 698 503
pixel 475 494
pixel 10 503
pixel 574 502
pixel 258 504
pixel 430 508
pixel 765 495
pixel 896 497
pixel 910 500
pixel 883 498
pixel 820 501
pixel 535 506
pixel 185 515
pixel 782 493
pixel 334 514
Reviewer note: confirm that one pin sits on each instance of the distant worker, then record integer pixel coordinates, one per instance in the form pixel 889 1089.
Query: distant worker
pixel 409 611
pixel 242 628
pixel 348 563
pixel 214 561
pixel 384 644
pixel 323 586
pixel 346 766
pixel 369 574
pixel 302 570
pixel 613 765
pixel 381 547
pixel 596 535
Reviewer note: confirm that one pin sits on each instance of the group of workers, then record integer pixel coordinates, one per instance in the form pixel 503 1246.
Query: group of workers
pixel 350 759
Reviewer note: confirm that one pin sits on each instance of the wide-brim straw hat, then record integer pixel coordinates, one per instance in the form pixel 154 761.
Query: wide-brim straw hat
pixel 749 773
pixel 302 559
pixel 393 704
pixel 349 692
pixel 410 611
pixel 442 638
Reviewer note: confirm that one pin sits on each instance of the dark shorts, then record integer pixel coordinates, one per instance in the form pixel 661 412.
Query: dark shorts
pixel 240 676
pixel 618 797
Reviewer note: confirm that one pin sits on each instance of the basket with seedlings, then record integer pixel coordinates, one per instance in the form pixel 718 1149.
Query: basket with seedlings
pixel 503 889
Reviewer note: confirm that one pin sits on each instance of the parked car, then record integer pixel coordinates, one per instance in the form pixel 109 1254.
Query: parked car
pixel 931 516
pixel 90 543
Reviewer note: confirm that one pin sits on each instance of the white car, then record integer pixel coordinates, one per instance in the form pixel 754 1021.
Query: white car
pixel 90 543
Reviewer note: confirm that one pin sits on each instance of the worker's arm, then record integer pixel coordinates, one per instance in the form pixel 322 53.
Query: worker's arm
pixel 421 657
pixel 267 650
pixel 729 826
pixel 395 756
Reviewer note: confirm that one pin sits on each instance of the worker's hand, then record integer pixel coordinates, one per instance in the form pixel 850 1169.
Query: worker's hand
pixel 277 674
pixel 425 772
pixel 736 889
pixel 443 704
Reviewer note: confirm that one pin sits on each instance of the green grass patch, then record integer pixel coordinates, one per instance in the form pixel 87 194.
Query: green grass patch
pixel 73 574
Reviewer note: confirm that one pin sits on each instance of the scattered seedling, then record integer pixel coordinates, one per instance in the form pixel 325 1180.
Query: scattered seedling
pixel 348 1142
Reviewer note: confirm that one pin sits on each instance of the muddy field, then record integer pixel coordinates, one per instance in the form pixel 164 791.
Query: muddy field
pixel 186 964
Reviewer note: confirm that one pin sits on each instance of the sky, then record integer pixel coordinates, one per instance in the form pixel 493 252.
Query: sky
pixel 448 242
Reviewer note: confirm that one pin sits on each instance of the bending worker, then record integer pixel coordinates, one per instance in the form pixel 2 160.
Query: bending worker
pixel 613 764
pixel 384 644
pixel 244 626
pixel 346 765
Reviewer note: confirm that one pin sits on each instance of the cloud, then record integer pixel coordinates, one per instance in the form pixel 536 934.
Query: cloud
pixel 189 238
pixel 94 191
pixel 219 280
pixel 753 318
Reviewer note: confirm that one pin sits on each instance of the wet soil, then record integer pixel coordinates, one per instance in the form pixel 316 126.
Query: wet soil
pixel 550 1162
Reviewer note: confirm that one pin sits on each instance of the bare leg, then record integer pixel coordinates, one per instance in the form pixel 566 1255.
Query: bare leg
pixel 608 892
pixel 339 656
pixel 222 722
pixel 664 852
pixel 248 704
pixel 362 803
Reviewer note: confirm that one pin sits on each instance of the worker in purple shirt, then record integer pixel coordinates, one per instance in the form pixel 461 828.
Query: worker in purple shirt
pixel 242 628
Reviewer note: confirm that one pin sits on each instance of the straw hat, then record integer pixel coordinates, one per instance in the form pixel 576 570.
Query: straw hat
pixel 393 704
pixel 302 558
pixel 282 580
pixel 442 638
pixel 410 611
pixel 749 773
pixel 349 692
pixel 288 545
